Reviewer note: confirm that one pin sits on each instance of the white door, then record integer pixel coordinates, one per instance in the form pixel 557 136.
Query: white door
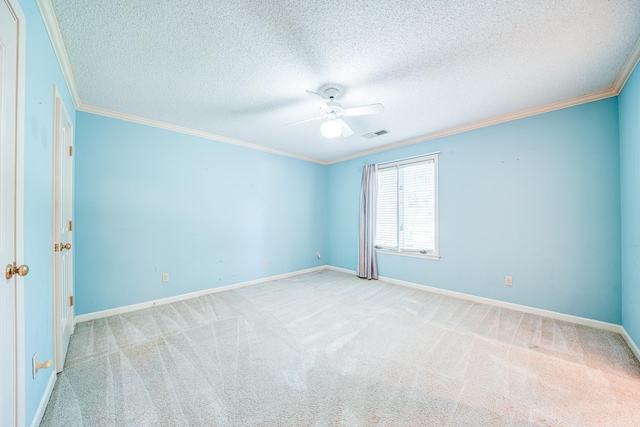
pixel 63 225
pixel 8 141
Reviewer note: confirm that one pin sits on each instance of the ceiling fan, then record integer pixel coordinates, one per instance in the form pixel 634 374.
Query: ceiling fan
pixel 331 110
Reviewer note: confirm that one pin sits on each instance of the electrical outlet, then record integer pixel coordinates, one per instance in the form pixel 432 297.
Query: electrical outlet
pixel 165 277
pixel 266 262
pixel 319 255
pixel 34 363
pixel 508 280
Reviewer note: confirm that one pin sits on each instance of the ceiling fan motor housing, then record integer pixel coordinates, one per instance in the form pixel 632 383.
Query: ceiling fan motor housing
pixel 332 108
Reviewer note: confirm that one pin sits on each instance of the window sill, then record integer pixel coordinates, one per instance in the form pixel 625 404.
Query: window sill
pixel 408 254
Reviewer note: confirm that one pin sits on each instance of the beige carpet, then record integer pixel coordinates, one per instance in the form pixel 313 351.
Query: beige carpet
pixel 329 349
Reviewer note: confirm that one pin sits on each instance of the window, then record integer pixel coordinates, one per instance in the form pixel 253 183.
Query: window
pixel 407 221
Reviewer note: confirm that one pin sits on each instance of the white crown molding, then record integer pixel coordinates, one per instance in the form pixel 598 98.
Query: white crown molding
pixel 189 131
pixel 51 23
pixel 615 89
pixel 484 123
pixel 452 131
pixel 627 69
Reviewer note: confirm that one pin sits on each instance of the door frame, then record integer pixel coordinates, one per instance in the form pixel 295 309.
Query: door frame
pixel 19 380
pixel 59 105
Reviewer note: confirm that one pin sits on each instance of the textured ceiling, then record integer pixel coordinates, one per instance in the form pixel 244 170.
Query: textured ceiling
pixel 240 68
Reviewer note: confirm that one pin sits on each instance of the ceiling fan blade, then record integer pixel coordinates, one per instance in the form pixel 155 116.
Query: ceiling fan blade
pixel 319 98
pixel 303 121
pixel 364 110
pixel 346 130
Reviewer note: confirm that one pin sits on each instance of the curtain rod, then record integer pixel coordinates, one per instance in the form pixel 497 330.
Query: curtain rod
pixel 409 158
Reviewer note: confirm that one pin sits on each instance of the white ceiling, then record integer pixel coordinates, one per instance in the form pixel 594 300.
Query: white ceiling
pixel 239 69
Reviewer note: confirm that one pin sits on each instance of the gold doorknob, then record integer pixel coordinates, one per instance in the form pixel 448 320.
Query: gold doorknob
pixel 23 270
pixel 12 269
pixel 63 246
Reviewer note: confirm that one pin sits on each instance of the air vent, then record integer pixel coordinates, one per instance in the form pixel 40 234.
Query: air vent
pixel 375 134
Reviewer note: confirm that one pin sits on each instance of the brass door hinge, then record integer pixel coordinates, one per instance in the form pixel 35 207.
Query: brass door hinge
pixel 71 150
pixel 70 225
pixel 71 301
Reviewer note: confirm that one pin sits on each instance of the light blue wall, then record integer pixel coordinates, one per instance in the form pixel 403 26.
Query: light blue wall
pixel 629 105
pixel 150 201
pixel 537 199
pixel 42 72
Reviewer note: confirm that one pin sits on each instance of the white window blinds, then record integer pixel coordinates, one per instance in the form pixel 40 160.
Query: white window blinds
pixel 407 201
pixel 387 222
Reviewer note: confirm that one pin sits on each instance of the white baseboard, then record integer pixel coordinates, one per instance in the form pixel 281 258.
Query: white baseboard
pixel 523 308
pixel 611 327
pixel 518 307
pixel 37 417
pixel 134 307
pixel 632 345
pixel 340 269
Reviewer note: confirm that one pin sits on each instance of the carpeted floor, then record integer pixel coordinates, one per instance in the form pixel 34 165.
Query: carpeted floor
pixel 329 349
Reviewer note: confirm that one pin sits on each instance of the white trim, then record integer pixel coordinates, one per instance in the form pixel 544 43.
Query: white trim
pixel 439 134
pixel 54 323
pixel 424 158
pixel 618 84
pixel 522 308
pixel 134 307
pixel 397 164
pixel 340 269
pixel 60 113
pixel 632 345
pixel 436 185
pixel 19 217
pixel 627 69
pixel 484 123
pixel 37 418
pixel 513 306
pixel 409 254
pixel 190 131
pixel 51 23
pixel 611 327
pixel 382 165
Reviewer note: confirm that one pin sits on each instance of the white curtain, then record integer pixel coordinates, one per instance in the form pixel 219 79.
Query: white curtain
pixel 367 264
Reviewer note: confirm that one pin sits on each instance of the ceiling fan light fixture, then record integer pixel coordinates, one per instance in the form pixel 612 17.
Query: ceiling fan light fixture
pixel 331 129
